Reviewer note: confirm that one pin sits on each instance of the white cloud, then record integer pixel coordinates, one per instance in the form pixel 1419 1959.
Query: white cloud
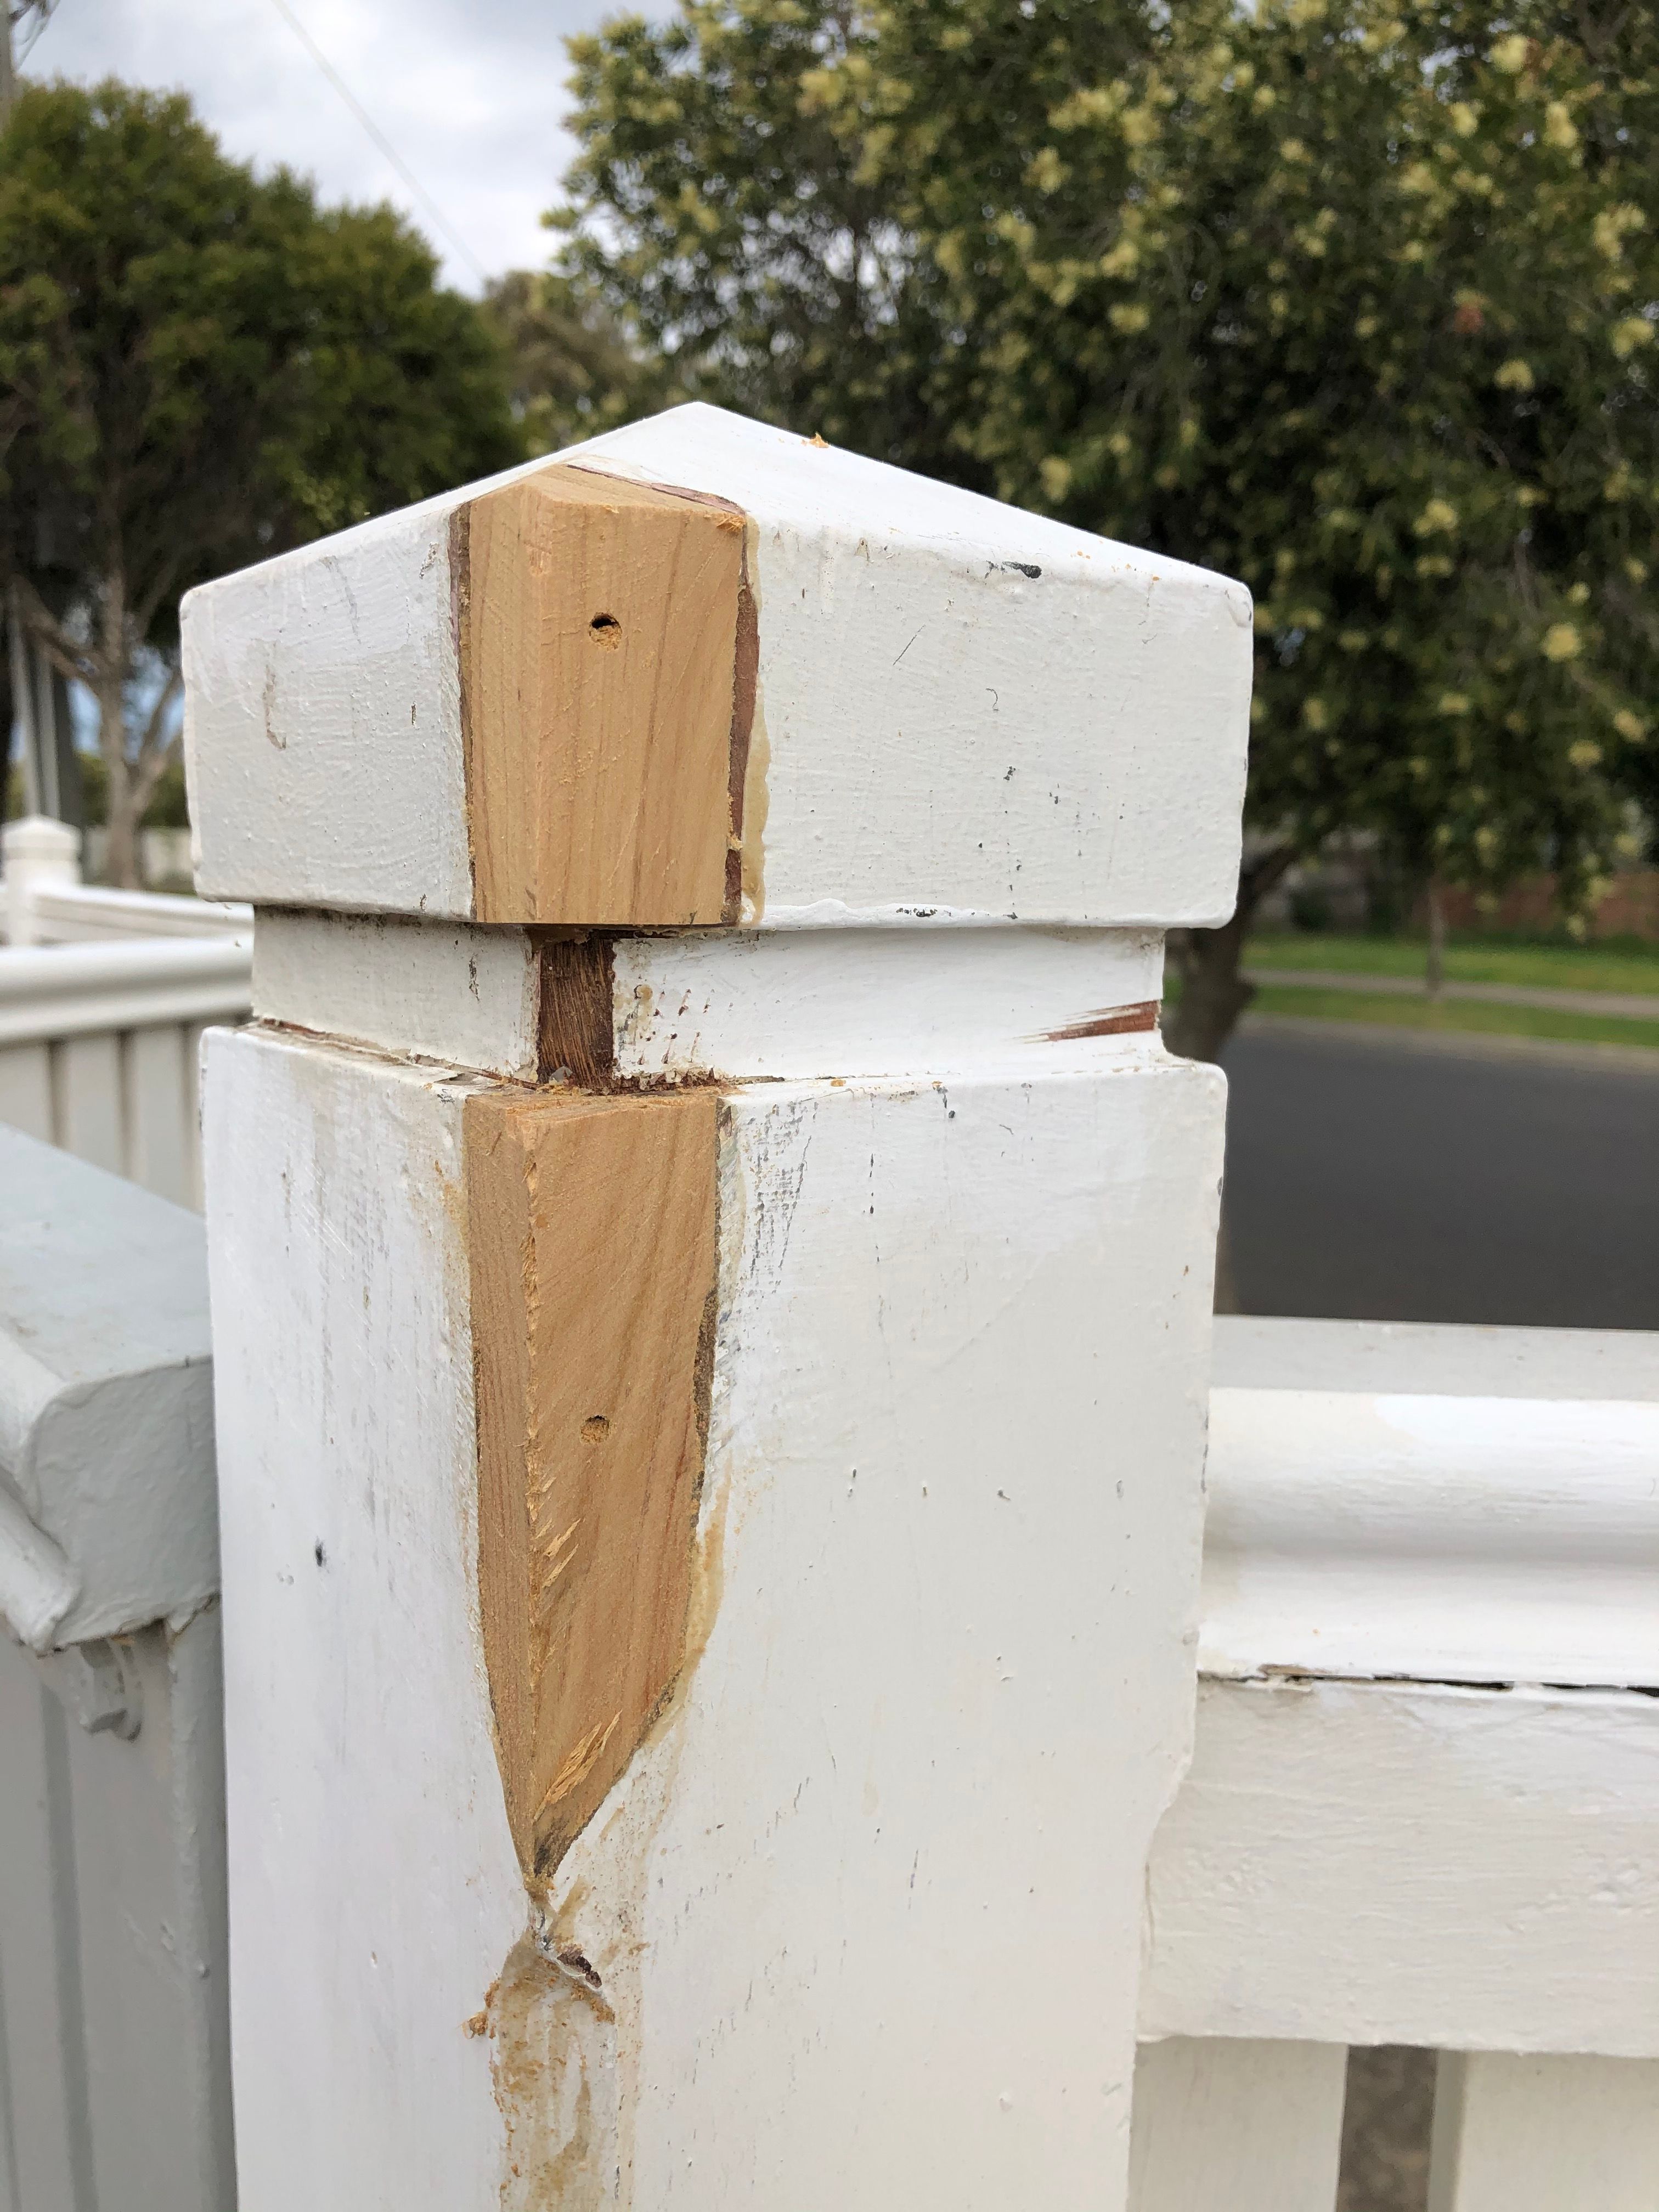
pixel 472 96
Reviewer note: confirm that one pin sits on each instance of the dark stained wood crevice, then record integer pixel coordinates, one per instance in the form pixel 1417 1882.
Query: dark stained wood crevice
pixel 745 676
pixel 575 1027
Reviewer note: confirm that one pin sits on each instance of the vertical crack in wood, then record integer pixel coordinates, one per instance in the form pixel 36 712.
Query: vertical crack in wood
pixel 745 676
pixel 460 602
pixel 591 1246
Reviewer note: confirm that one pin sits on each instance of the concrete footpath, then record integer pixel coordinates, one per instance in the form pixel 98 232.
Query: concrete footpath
pixel 1619 1005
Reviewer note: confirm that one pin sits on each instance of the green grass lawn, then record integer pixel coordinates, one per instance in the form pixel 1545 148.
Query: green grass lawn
pixel 1459 1015
pixel 1629 967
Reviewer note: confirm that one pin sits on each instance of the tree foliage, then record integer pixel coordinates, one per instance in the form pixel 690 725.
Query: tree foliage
pixel 1354 299
pixel 573 369
pixel 198 367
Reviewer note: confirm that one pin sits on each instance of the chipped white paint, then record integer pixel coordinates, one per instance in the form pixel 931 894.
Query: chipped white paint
pixel 864 1913
pixel 798 1003
pixel 875 1002
pixel 870 1902
pixel 374 1894
pixel 453 992
pixel 1566 2134
pixel 946 728
pixel 315 777
pixel 1228 2126
pixel 955 1447
pixel 964 710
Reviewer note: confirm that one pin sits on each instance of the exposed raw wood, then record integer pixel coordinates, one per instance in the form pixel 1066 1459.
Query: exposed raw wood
pixel 374 1890
pixel 867 1901
pixel 958 1360
pixel 591 1231
pixel 959 710
pixel 1223 2125
pixel 599 628
pixel 712 1544
pixel 685 1005
pixel 576 1036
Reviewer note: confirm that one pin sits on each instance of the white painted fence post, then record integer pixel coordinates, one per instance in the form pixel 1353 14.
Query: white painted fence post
pixel 711 1273
pixel 38 854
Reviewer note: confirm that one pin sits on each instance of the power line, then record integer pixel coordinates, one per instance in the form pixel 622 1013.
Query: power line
pixel 380 138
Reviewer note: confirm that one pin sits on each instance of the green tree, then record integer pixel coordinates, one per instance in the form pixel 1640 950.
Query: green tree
pixel 198 368
pixel 574 370
pixel 1354 299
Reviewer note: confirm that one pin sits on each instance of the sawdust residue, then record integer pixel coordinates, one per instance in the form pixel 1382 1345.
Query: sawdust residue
pixel 553 2063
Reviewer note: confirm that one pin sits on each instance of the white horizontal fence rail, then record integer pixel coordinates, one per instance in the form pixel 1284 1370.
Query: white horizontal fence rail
pixel 104 996
pixel 43 899
pixel 1424 1802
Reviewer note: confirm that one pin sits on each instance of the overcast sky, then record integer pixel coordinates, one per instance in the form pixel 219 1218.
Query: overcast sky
pixel 469 92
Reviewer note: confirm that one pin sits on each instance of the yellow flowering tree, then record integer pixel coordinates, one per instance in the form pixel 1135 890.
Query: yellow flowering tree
pixel 1355 301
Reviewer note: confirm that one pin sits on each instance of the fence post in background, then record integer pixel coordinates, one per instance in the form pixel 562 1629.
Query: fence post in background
pixel 36 852
pixel 114 2057
pixel 711 1273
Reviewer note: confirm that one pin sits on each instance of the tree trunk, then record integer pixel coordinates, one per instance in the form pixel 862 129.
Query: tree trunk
pixel 1213 995
pixel 121 821
pixel 1213 992
pixel 1434 967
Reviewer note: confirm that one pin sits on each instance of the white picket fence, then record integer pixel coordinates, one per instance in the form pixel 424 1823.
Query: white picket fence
pixel 734 1697
pixel 1423 1807
pixel 103 995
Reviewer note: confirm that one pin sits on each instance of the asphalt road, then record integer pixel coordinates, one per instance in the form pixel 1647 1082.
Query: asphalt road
pixel 1371 1179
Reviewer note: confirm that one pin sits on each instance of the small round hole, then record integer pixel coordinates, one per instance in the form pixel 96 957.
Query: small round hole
pixel 606 629
pixel 596 1428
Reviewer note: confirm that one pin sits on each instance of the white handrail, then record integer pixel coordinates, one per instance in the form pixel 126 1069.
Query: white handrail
pixel 70 990
pixel 68 915
pixel 1430 1537
pixel 44 900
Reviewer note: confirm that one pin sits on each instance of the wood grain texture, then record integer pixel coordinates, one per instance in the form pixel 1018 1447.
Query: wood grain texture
pixel 958 709
pixel 576 1026
pixel 591 1230
pixel 598 624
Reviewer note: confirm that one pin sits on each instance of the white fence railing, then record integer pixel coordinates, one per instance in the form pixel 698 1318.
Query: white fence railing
pixel 1423 1807
pixel 732 1701
pixel 115 2043
pixel 103 998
